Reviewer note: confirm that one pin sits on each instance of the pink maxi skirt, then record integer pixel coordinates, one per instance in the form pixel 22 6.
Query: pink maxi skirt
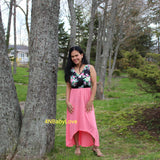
pixel 81 120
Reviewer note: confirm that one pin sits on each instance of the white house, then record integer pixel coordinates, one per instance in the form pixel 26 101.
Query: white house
pixel 22 55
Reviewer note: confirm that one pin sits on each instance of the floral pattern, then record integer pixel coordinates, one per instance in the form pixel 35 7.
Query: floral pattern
pixel 82 80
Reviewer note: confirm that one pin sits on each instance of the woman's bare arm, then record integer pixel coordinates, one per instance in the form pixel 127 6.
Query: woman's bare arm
pixel 69 106
pixel 94 87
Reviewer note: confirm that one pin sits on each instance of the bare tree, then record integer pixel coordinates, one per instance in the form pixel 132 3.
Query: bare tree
pixel 15 41
pixel 101 36
pixel 72 23
pixel 9 23
pixel 129 15
pixel 10 114
pixel 91 28
pixel 99 45
pixel 107 45
pixel 26 14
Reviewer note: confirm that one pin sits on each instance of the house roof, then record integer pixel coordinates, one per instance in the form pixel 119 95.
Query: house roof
pixel 19 47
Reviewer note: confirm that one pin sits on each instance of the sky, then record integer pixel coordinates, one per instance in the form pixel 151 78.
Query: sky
pixel 22 36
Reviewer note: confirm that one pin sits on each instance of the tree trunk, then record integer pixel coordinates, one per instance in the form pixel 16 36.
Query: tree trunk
pixel 100 39
pixel 99 45
pixel 91 28
pixel 111 68
pixel 10 113
pixel 72 23
pixel 15 41
pixel 158 45
pixel 37 137
pixel 107 44
pixel 9 24
pixel 26 16
pixel 64 60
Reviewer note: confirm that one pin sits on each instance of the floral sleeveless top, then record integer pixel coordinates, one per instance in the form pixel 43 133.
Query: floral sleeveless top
pixel 82 80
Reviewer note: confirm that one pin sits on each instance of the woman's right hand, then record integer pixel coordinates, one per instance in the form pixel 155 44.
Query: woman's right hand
pixel 69 107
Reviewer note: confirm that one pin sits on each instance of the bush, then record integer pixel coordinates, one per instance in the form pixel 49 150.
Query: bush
pixel 131 59
pixel 153 57
pixel 116 73
pixel 150 75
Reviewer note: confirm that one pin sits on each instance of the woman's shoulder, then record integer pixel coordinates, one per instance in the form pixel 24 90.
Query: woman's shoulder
pixel 91 67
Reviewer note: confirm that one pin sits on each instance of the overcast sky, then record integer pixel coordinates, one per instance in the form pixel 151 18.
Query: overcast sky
pixel 22 37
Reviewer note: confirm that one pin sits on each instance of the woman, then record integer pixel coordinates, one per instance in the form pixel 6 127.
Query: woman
pixel 79 76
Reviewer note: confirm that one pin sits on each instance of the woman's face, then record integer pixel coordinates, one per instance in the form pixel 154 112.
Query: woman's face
pixel 76 57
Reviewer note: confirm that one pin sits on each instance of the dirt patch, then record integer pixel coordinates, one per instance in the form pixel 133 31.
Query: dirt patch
pixel 149 121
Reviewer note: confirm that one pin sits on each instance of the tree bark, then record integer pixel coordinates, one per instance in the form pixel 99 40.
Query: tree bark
pixel 72 23
pixel 37 137
pixel 109 68
pixel 107 44
pixel 91 28
pixel 10 113
pixel 101 38
pixel 99 46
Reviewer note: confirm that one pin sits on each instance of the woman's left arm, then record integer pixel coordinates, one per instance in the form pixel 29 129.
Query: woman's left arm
pixel 94 87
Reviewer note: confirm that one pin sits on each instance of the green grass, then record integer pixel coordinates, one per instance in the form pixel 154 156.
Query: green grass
pixel 120 108
pixel 21 82
pixel 21 76
pixel 21 92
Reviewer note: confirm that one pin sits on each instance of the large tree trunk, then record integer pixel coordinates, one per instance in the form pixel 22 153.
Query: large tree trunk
pixel 10 113
pixel 72 23
pixel 36 136
pixel 91 28
pixel 107 45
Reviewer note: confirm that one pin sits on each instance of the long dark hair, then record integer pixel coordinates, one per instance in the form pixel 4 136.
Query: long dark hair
pixel 70 63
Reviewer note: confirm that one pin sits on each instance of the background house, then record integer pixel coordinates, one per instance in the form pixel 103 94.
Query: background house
pixel 22 54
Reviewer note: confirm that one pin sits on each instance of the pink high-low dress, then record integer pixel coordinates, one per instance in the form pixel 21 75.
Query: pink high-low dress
pixel 85 122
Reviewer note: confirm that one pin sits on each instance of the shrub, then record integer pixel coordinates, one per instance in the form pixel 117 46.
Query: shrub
pixel 149 74
pixel 116 73
pixel 153 57
pixel 131 59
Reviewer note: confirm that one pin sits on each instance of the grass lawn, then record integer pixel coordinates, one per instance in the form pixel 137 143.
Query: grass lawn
pixel 120 109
